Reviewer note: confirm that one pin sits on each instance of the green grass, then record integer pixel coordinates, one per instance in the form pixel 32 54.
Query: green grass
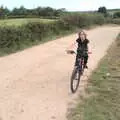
pixel 21 21
pixel 103 92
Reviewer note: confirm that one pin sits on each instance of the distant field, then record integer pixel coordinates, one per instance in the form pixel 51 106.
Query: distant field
pixel 18 22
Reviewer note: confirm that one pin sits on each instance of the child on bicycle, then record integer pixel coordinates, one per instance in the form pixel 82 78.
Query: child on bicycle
pixel 82 48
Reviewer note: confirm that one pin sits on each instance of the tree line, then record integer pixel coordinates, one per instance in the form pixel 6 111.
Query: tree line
pixel 48 12
pixel 106 13
pixel 24 12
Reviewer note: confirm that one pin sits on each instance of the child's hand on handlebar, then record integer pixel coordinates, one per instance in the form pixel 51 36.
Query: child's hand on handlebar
pixel 70 52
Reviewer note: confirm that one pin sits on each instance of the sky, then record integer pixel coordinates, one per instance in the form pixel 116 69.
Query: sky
pixel 71 5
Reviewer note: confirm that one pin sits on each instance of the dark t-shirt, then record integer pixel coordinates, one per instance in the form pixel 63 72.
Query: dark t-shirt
pixel 82 45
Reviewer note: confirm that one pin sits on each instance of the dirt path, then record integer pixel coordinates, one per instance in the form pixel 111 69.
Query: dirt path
pixel 34 84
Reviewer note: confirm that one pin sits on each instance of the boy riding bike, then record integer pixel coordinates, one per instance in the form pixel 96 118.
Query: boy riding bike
pixel 82 48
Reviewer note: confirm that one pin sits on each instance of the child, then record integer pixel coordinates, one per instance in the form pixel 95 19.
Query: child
pixel 82 48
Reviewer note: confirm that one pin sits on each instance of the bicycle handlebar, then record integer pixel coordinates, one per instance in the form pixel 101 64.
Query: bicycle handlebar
pixel 73 52
pixel 70 52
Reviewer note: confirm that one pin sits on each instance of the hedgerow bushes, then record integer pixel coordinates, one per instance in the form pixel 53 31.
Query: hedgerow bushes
pixel 116 21
pixel 13 38
pixel 83 20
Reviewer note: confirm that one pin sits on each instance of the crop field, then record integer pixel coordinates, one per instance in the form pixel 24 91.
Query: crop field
pixel 18 22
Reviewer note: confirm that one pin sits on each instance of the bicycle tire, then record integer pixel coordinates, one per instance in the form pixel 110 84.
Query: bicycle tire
pixel 75 71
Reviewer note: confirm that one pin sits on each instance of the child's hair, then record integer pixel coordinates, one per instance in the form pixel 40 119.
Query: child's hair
pixel 83 33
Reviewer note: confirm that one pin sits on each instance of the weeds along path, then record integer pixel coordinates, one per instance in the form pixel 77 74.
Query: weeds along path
pixel 34 83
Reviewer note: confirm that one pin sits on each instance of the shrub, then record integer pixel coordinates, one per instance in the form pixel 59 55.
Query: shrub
pixel 116 14
pixel 13 38
pixel 116 21
pixel 83 20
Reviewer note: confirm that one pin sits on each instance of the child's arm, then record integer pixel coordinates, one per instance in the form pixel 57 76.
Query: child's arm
pixel 89 48
pixel 72 47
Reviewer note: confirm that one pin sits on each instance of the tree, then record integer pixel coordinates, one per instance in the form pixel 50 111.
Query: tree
pixel 60 11
pixel 22 11
pixel 19 11
pixel 1 12
pixel 6 11
pixel 15 11
pixel 103 10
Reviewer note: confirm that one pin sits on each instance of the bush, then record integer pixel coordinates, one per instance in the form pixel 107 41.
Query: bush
pixel 116 21
pixel 83 20
pixel 116 15
pixel 13 38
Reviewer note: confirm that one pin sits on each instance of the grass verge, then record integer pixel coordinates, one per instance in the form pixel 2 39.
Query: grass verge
pixel 103 101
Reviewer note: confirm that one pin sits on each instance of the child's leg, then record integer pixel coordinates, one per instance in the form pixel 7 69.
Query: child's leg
pixel 85 60
pixel 76 61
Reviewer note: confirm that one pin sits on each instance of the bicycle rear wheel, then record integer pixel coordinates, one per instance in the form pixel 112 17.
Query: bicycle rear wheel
pixel 75 80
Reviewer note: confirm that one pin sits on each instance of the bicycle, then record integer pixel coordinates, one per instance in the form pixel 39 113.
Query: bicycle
pixel 76 73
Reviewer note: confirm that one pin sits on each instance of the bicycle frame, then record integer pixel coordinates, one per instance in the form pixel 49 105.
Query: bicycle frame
pixel 77 72
pixel 81 64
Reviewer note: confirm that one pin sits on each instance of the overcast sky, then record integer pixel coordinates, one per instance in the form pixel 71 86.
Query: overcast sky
pixel 72 5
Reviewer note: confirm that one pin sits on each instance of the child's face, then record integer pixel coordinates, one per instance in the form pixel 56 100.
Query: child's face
pixel 82 36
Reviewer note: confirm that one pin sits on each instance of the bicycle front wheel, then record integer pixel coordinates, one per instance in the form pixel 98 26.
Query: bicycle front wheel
pixel 75 80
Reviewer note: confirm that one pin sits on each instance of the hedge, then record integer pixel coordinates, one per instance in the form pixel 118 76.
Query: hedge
pixel 13 38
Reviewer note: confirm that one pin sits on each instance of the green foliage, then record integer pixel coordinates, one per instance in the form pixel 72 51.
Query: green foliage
pixel 116 15
pixel 22 12
pixel 19 11
pixel 116 21
pixel 83 20
pixel 13 38
pixel 103 11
